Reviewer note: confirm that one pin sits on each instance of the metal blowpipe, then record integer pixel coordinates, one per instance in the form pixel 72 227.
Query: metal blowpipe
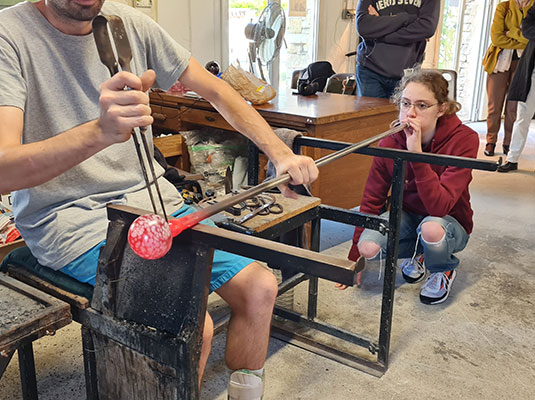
pixel 192 219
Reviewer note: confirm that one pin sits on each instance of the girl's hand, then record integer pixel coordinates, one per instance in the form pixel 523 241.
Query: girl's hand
pixel 414 134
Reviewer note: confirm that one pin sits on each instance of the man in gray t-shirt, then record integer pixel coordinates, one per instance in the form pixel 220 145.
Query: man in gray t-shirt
pixel 65 151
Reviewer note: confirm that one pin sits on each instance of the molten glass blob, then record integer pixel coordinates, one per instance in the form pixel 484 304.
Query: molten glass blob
pixel 150 237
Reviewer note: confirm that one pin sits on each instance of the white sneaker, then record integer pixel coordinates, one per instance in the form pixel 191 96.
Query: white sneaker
pixel 245 385
pixel 413 269
pixel 437 287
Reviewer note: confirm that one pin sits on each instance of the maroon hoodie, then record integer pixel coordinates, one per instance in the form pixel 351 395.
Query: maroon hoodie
pixel 429 189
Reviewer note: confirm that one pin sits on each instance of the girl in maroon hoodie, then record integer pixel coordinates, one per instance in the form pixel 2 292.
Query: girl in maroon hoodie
pixel 436 218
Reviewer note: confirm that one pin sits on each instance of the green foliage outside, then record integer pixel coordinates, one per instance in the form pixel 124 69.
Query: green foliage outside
pixel 448 39
pixel 9 3
pixel 257 5
pixel 252 4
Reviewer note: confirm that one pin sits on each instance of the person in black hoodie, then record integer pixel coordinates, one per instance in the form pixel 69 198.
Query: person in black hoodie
pixel 393 38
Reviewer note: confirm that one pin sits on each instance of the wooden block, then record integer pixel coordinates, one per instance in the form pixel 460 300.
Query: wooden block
pixel 170 145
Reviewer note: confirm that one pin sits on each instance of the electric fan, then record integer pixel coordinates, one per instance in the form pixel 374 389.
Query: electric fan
pixel 265 37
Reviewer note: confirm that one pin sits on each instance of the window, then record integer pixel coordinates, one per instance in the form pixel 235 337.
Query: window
pixel 465 36
pixel 297 50
pixel 9 3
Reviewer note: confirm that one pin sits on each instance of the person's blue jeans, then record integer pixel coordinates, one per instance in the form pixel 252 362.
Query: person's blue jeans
pixel 439 257
pixel 372 84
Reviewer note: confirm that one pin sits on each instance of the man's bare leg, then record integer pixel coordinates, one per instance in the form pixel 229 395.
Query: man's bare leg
pixel 207 335
pixel 251 295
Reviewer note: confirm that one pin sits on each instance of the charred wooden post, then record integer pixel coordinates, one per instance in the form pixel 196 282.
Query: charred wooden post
pixel 143 334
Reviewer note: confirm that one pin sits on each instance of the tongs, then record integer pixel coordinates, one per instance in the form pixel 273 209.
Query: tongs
pixel 123 51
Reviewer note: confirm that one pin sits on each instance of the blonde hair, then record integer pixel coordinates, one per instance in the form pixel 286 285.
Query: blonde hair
pixel 432 80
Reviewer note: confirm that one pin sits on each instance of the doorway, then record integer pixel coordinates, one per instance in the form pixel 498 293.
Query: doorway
pixel 465 37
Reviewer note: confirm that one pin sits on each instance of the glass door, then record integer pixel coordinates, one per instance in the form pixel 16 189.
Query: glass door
pixel 465 37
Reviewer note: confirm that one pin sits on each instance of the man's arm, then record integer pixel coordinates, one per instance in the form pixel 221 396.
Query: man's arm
pixel 245 119
pixel 420 29
pixel 371 27
pixel 27 165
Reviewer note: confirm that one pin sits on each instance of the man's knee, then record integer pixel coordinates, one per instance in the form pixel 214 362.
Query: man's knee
pixel 369 249
pixel 432 232
pixel 261 292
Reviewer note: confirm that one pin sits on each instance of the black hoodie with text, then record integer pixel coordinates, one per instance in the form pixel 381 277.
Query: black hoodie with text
pixel 396 39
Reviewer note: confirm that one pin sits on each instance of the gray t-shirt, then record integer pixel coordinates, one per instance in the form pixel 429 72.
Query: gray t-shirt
pixel 54 78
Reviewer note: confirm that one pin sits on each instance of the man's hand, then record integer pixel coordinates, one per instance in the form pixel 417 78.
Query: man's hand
pixel 301 169
pixel 123 110
pixel 247 121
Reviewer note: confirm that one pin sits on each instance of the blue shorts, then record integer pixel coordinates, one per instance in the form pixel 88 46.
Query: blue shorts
pixel 224 267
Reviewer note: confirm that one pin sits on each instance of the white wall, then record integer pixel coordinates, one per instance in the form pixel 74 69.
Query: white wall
pixel 336 36
pixel 196 24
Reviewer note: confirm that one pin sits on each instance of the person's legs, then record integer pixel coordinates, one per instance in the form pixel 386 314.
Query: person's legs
pixel 389 85
pixel 207 336
pixel 371 84
pixel 371 241
pixel 510 117
pixel 496 91
pixel 524 114
pixel 251 295
pixel 510 111
pixel 441 238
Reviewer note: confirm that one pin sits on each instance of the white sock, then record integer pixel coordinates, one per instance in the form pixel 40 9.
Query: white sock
pixel 258 371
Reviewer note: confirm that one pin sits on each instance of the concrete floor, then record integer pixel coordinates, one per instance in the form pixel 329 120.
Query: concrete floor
pixel 480 344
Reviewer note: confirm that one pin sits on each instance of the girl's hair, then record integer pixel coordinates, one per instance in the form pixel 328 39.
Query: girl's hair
pixel 435 82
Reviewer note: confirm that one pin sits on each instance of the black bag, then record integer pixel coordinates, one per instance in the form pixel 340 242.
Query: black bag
pixel 314 78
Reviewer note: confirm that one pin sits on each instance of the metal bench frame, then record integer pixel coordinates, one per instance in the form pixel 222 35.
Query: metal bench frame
pixel 379 349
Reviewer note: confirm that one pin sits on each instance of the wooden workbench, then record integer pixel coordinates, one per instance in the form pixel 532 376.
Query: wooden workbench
pixel 290 209
pixel 324 115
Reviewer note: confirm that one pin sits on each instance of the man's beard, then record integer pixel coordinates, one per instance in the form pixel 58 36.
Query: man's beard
pixel 68 10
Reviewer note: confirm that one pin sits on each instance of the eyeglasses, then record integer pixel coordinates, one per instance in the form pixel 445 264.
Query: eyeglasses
pixel 420 106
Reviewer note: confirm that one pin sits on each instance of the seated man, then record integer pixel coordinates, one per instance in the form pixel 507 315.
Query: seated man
pixel 65 152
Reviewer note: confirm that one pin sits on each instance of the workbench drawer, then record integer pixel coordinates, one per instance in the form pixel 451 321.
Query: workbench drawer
pixel 166 119
pixel 204 118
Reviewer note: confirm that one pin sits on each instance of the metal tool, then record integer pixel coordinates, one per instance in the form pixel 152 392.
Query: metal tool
pixel 124 55
pixel 228 180
pixel 264 206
